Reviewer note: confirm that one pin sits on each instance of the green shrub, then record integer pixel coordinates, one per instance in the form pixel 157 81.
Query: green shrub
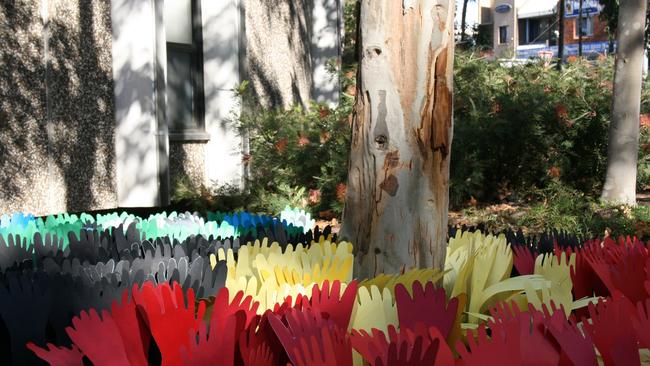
pixel 558 207
pixel 298 157
pixel 518 128
pixel 518 131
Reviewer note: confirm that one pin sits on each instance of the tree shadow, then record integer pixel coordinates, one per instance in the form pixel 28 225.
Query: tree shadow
pixel 57 115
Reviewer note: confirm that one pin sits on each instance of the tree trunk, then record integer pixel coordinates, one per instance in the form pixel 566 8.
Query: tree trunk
pixel 623 148
pixel 463 21
pixel 580 35
pixel 560 40
pixel 398 183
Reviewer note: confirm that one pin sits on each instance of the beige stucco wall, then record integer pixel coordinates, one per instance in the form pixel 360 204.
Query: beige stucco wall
pixel 187 161
pixel 508 19
pixel 56 111
pixel 278 50
pixel 78 123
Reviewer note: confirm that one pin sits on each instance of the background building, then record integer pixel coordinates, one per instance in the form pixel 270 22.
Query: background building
pixel 104 104
pixel 529 28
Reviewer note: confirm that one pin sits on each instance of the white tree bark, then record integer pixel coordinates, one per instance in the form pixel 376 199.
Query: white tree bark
pixel 623 148
pixel 398 186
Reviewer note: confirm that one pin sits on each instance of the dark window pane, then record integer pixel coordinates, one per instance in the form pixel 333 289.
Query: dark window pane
pixel 179 91
pixel 503 34
pixel 533 30
pixel 523 27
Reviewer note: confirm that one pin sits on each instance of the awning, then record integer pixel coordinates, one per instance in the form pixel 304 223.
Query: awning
pixel 536 8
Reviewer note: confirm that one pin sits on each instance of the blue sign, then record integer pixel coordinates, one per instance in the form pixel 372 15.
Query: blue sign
pixel 589 7
pixel 503 8
pixel 588 48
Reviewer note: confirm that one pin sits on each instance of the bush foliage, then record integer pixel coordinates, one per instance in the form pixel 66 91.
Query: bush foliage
pixel 517 131
pixel 518 128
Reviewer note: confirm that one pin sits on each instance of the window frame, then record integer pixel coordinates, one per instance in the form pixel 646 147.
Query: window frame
pixel 503 40
pixel 578 26
pixel 195 51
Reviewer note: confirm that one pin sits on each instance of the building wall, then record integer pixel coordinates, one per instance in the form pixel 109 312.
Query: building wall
pixel 222 67
pixel 304 35
pixel 187 161
pixel 571 33
pixel 82 95
pixel 508 19
pixel 56 106
pixel 280 75
pixel 134 71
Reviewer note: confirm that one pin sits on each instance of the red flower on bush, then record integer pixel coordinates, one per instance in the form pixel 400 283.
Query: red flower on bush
pixel 303 140
pixel 644 120
pixel 314 196
pixel 281 145
pixel 324 137
pixel 607 85
pixel 562 114
pixel 496 108
pixel 324 112
pixel 554 172
pixel 341 190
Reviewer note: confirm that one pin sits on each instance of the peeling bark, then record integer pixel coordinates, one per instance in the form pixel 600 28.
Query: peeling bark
pixel 398 186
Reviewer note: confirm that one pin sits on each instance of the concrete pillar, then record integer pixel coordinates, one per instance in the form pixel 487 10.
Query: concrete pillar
pixel 221 73
pixel 327 18
pixel 508 19
pixel 134 50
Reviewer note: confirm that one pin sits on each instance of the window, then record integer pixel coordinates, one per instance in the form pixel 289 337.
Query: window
pixel 185 115
pixel 535 30
pixel 503 34
pixel 586 27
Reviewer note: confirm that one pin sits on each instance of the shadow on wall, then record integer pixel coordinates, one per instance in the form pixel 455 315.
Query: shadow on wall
pixel 23 138
pixel 279 51
pixel 57 128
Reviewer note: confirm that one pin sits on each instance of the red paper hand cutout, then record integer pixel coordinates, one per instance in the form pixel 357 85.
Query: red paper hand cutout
pixel 403 348
pixel 641 323
pixel 58 356
pixel 536 347
pixel 258 345
pixel 428 306
pixel 576 349
pixel 302 301
pixel 223 308
pixel 585 281
pixel 169 318
pixel 133 330
pixel 228 321
pixel 219 346
pixel 620 267
pixel 524 260
pixel 332 305
pixel 84 331
pixel 612 332
pixel 503 349
pixel 311 340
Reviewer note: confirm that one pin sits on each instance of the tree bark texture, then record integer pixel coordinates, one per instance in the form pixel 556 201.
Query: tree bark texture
pixel 463 21
pixel 560 39
pixel 398 184
pixel 623 147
